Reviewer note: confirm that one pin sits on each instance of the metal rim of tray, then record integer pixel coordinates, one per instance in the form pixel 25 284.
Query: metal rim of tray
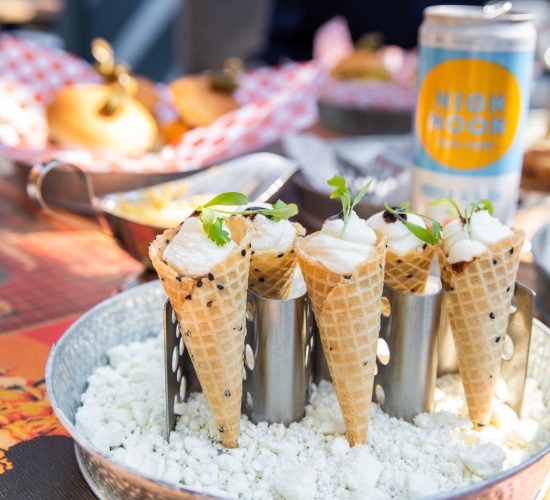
pixel 83 443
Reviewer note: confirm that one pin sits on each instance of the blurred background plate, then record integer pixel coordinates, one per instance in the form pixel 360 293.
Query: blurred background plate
pixel 357 121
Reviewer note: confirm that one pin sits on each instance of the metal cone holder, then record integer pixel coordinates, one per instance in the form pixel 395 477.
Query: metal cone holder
pixel 281 360
pixel 416 346
pixel 278 360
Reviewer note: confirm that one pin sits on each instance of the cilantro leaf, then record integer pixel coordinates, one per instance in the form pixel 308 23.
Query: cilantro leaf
pixel 213 227
pixel 227 199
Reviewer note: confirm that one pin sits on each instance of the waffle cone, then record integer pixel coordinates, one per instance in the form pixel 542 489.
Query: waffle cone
pixel 211 314
pixel 347 310
pixel 271 273
pixel 409 273
pixel 478 298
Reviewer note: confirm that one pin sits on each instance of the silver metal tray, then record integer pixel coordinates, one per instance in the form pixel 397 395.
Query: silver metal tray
pixel 137 314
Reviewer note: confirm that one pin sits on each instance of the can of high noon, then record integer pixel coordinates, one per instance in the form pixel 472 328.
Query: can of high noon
pixel 474 83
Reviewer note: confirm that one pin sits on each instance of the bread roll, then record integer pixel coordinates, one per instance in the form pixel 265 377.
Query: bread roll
pixel 197 103
pixel 74 119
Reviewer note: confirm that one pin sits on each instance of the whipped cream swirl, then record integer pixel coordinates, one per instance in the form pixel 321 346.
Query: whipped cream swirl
pixel 342 251
pixel 192 253
pixel 485 230
pixel 269 235
pixel 400 240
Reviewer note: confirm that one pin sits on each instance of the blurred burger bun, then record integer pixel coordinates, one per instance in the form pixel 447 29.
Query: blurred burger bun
pixel 363 64
pixel 197 103
pixel 74 119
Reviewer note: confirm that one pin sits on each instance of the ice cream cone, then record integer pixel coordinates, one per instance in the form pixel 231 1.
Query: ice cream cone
pixel 211 314
pixel 478 298
pixel 409 273
pixel 347 310
pixel 272 273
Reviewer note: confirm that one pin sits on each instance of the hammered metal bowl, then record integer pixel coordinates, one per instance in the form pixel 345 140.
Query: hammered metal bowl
pixel 136 315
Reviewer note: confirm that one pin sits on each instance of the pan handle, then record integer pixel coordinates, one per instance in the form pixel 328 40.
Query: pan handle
pixel 39 172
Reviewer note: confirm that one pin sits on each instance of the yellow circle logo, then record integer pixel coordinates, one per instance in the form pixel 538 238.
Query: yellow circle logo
pixel 468 112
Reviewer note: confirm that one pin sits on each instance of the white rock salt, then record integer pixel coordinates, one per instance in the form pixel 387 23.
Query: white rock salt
pixel 122 414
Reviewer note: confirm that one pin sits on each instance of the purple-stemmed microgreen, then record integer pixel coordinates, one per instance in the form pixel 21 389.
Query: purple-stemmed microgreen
pixel 469 211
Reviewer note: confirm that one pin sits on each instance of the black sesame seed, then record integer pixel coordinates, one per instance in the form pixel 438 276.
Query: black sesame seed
pixel 188 333
pixel 178 278
pixel 280 255
pixel 364 363
pixel 512 251
pixel 221 429
pixel 409 275
pixel 243 252
pixel 256 270
pixel 292 251
pixel 250 245
pixel 209 303
pixel 199 283
pixel 452 289
pixel 413 290
pixel 490 376
pixel 210 276
pixel 220 287
pixel 262 280
pixel 347 276
pixel 424 246
pixel 497 340
pixel 167 241
pixel 252 253
pixel 494 262
pixel 227 393
pixel 241 328
pixel 162 279
pixel 399 261
pixel 330 348
pixel 508 289
pixel 492 315
pixel 189 297
pixel 380 266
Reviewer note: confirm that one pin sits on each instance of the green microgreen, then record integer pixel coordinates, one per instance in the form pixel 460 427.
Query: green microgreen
pixel 341 191
pixel 229 199
pixel 469 211
pixel 212 223
pixel 428 236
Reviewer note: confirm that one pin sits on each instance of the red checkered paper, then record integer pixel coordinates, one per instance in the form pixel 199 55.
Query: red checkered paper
pixel 274 102
pixel 333 42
